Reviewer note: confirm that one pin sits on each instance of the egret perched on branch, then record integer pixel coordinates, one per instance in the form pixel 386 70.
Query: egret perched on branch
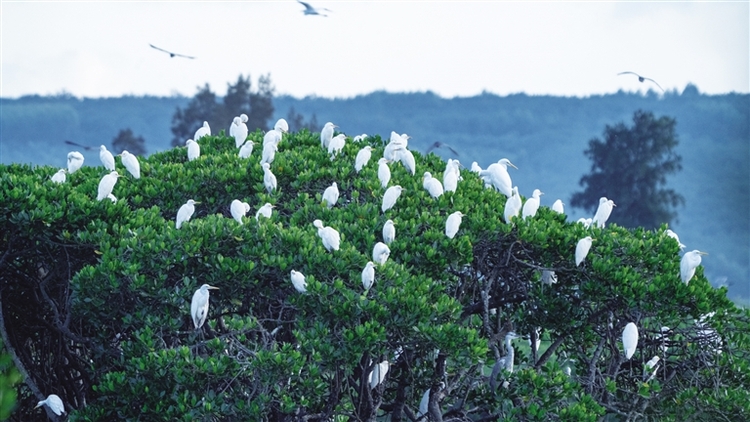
pixel 432 185
pixel 363 157
pixel 549 277
pixel 389 231
pixel 674 236
pixel 185 212
pixel 281 125
pixel 330 237
pixel 629 339
pixel 497 175
pixel 384 172
pixel 326 134
pixel 199 305
pixel 453 223
pixel 54 403
pixel 202 131
pixel 269 153
pixel 582 249
pixel 131 163
pixel 246 149
pixel 407 159
pixel 336 145
pixel 558 207
pixel 269 179
pixel 378 373
pixel 238 209
pixel 506 362
pixel 193 149
pixel 380 253
pixel 512 206
pixel 396 142
pixel 265 211
pixel 75 161
pixel 59 177
pixel 106 185
pixel 451 175
pixel 368 275
pixel 108 160
pixel 390 197
pixel 532 204
pixel 688 263
pixel 331 195
pixel 603 212
pixel 475 168
pixel 239 131
pixel 298 281
pixel 273 136
pixel 360 138
pixel 651 364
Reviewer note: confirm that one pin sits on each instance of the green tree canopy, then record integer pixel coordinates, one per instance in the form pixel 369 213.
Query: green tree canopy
pixel 631 167
pixel 96 299
pixel 240 98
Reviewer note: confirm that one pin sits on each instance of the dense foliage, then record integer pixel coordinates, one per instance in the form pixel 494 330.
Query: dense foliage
pixel 632 165
pixel 96 296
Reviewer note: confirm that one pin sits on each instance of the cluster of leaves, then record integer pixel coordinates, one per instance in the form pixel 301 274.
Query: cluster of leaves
pixel 96 299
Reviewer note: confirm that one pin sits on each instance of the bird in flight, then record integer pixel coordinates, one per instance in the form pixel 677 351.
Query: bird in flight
pixel 171 54
pixel 641 78
pixel 309 10
pixel 441 144
pixel 78 145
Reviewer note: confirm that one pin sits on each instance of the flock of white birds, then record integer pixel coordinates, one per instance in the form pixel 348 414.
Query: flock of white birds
pixel 496 176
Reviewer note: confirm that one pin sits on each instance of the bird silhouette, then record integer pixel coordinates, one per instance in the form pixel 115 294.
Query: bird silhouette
pixel 641 78
pixel 79 145
pixel 309 10
pixel 171 54
pixel 440 145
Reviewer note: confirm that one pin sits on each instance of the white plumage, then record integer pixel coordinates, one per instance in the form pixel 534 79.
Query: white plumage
pixel 331 195
pixel 378 373
pixel 193 149
pixel 330 237
pixel 246 149
pixel 380 253
pixel 390 197
pixel 326 134
pixel 629 339
pixel 273 136
pixel 298 281
pixel 532 204
pixel 451 175
pixel 453 223
pixel 55 404
pixel 432 185
pixel 106 185
pixel 389 232
pixel 185 212
pixel 199 305
pixel 131 164
pixel 239 132
pixel 336 145
pixel 269 179
pixel 674 236
pixel 512 206
pixel 558 207
pixel 265 211
pixel 59 177
pixel 368 275
pixel 689 263
pixel 238 209
pixel 384 172
pixel 603 212
pixel 108 160
pixel 363 157
pixel 202 131
pixel 582 249
pixel 75 161
pixel 407 159
pixel 281 125
pixel 269 153
pixel 497 175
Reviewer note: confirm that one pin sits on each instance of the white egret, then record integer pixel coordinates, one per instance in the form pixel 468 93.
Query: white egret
pixel 112 198
pixel 549 277
pixel 380 253
pixel 585 221
pixel 238 209
pixel 199 305
pixel 368 275
pixel 451 176
pixel 246 149
pixel 363 157
pixel 512 206
pixel 108 160
pixel 326 134
pixel 629 339
pixel 235 121
pixel 331 195
pixel 582 249
pixel 475 168
pixel 269 153
pixel 497 175
pixel 396 142
pixel 298 281
pixel 185 212
pixel 193 149
pixel 390 197
pixel 652 364
pixel 506 362
pixel 535 344
pixel 240 132
pixel 330 237
pixel 432 185
pixel 59 177
pixel 106 185
pixel 171 54
pixel 424 403
pixel 558 207
pixel 55 404
pixel 75 161
pixel 532 204
pixel 359 138
pixel 674 236
pixel 407 159
pixel 269 179
pixel 641 78
pixel 281 125
pixel 453 223
pixel 378 373
pixel 273 136
pixel 202 131
pixel 336 145
pixel 309 10
pixel 384 172
pixel 688 263
pixel 131 163
pixel 389 231
pixel 603 212
pixel 265 211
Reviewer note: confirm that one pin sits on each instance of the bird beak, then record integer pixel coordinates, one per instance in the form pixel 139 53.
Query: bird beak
pixel 37 405
pixel 702 253
pixel 213 288
pixel 196 202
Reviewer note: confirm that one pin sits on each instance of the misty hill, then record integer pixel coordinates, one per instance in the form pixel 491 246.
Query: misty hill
pixel 544 136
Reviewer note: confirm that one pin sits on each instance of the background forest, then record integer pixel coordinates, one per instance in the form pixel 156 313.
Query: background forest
pixel 544 136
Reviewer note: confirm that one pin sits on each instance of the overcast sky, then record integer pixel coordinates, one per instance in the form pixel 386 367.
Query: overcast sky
pixel 101 49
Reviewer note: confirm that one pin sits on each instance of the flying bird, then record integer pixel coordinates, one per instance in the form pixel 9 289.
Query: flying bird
pixel 641 78
pixel 439 144
pixel 171 54
pixel 78 145
pixel 309 10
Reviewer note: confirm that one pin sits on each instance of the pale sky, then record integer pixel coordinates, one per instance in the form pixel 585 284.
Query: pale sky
pixel 101 49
